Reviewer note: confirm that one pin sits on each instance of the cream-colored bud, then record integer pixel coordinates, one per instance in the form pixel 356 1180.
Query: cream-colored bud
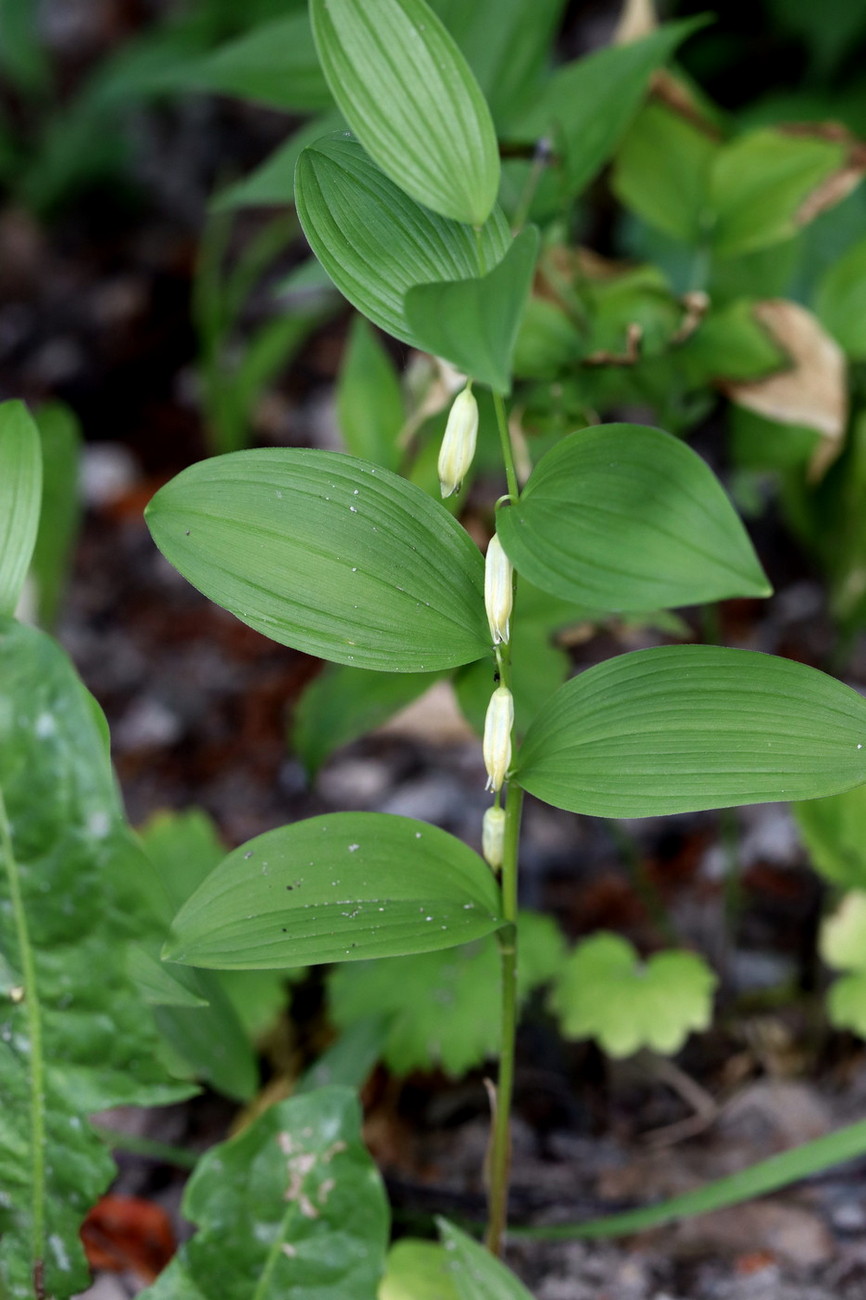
pixel 496 745
pixel 493 836
pixel 498 590
pixel 458 443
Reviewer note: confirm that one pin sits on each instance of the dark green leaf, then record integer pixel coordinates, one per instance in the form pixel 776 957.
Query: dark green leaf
pixel 61 506
pixel 409 96
pixel 273 64
pixel 588 103
pixel 350 885
pixel 20 499
pixel 72 1044
pixel 328 554
pixel 730 344
pixel 682 728
pixel 623 517
pixel 474 323
pixel 345 703
pixel 293 1206
pixel 375 242
pixel 370 407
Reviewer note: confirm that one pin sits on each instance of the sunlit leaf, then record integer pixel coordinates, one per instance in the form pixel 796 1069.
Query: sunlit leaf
pixel 328 554
pixel 409 96
pixel 681 728
pixel 376 242
pixel 603 991
pixel 417 1270
pixel 332 888
pixel 293 1206
pixel 623 517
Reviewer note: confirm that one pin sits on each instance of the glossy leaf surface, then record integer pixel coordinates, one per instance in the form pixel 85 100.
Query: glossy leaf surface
pixel 474 323
pixel 20 497
pixel 71 1044
pixel 327 554
pixel 620 517
pixel 293 1206
pixel 409 96
pixel 682 728
pixel 375 242
pixel 336 888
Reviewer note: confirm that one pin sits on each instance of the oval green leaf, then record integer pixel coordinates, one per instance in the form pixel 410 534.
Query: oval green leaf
pixel 619 518
pixel 20 498
pixel 683 728
pixel 410 97
pixel 337 888
pixel 327 554
pixel 473 323
pixel 375 242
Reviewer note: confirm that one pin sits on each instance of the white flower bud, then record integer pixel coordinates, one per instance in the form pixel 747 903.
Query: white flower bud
pixel 458 443
pixel 498 590
pixel 493 836
pixel 496 745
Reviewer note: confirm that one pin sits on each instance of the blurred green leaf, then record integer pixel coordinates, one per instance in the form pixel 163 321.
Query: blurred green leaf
pixel 418 1270
pixel 834 831
pixel 843 935
pixel 840 302
pixel 681 728
pixel 662 172
pixel 20 499
pixel 348 885
pixel 409 96
pixel 293 1206
pixel 60 516
pixel 477 1274
pixel 370 407
pixel 730 344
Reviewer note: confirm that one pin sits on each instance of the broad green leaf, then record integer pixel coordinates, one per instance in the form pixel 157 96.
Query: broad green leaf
pixel 507 44
pixel 370 407
pixel 730 344
pixel 375 242
pixel 623 517
pixel 293 1206
pixel 61 506
pixel 474 323
pixel 418 1270
pixel 327 554
pixel 603 991
pixel 762 184
pixel 347 886
pixel 409 96
pixel 345 703
pixel 841 301
pixel 681 728
pixel 273 64
pixel 443 1007
pixel 272 183
pixel 846 1000
pixel 662 172
pixel 589 103
pixel 834 832
pixel 20 499
pixel 157 986
pixel 477 1274
pixel 71 1044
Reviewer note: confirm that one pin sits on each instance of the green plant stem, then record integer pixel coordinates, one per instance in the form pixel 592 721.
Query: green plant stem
pixel 507 449
pixel 500 1150
pixel 34 1028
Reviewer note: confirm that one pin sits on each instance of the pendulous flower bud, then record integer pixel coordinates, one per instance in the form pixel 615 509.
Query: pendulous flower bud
pixel 458 443
pixel 493 836
pixel 498 590
pixel 496 745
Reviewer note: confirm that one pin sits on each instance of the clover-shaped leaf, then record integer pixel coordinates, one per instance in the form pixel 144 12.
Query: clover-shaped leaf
pixel 604 991
pixel 444 1006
